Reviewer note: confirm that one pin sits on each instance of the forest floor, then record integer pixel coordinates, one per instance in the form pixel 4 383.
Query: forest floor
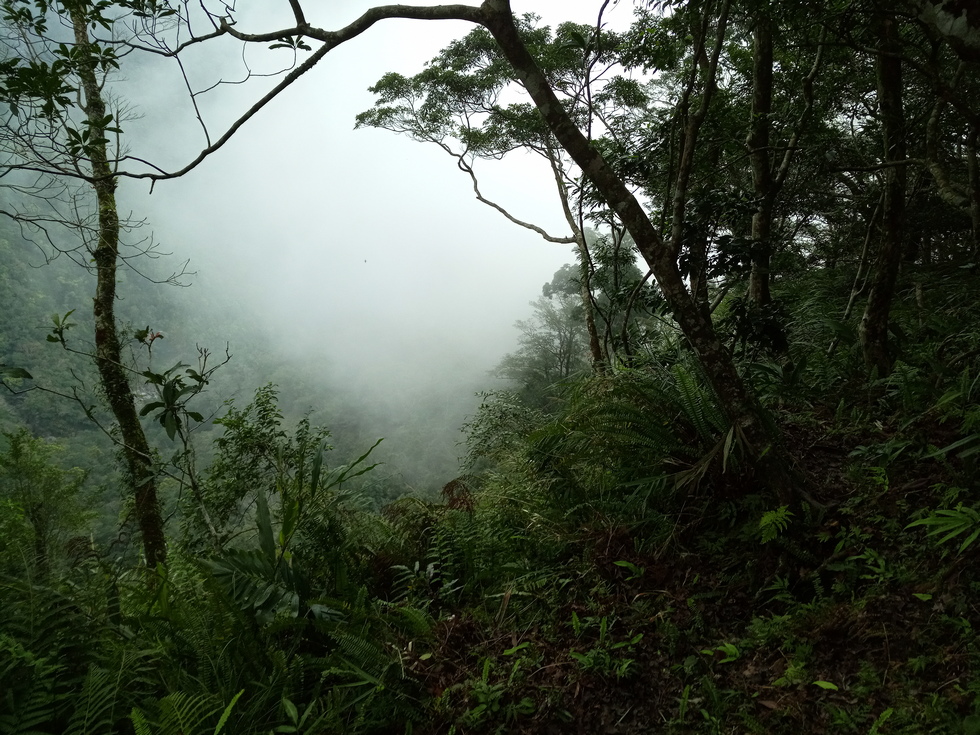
pixel 845 621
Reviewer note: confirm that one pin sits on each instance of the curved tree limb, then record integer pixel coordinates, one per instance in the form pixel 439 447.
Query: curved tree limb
pixel 466 168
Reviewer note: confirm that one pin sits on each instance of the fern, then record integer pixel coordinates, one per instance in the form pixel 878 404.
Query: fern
pixel 140 724
pixel 363 656
pixel 412 621
pixel 773 523
pixel 698 405
pixel 44 650
pixel 95 706
pixel 185 714
pixel 180 713
pixel 29 697
pixel 227 713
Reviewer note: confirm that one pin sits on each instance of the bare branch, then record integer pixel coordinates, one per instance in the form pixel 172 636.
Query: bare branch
pixel 298 13
pixel 368 19
pixel 330 40
pixel 465 167
pixel 794 140
pixel 248 115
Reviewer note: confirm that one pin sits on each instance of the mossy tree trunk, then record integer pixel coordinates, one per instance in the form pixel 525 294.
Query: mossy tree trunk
pixel 112 373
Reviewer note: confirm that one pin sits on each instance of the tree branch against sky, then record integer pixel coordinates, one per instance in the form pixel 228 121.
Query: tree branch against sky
pixel 661 255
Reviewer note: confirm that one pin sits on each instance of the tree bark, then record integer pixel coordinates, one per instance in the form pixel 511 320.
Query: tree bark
pixel 973 165
pixel 874 323
pixel 758 145
pixel 596 357
pixel 108 358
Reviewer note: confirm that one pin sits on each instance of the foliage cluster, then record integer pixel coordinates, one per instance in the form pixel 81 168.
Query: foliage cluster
pixel 759 516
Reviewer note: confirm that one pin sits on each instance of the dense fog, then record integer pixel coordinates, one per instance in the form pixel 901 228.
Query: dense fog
pixel 362 256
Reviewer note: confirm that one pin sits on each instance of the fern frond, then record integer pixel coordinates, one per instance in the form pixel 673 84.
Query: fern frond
pixel 95 706
pixel 141 725
pixel 185 714
pixel 361 653
pixel 698 404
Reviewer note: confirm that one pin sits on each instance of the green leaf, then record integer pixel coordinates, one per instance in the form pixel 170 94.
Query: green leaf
pixel 316 470
pixel 882 718
pixel 964 442
pixel 150 407
pixel 290 520
pixel 970 539
pixel 575 40
pixel 16 372
pixel 950 523
pixel 169 422
pixel 827 685
pixel 227 713
pixel 291 710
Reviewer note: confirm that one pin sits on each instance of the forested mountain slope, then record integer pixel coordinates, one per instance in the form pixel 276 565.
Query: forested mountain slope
pixel 731 482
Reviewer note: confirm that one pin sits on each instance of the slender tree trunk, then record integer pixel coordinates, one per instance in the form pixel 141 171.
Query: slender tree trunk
pixel 874 324
pixel 759 155
pixel 698 278
pixel 585 263
pixel 113 375
pixel 38 515
pixel 861 277
pixel 973 163
pixel 585 290
pixel 697 249
pixel 948 190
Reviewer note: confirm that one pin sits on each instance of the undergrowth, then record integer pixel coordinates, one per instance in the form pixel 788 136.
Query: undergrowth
pixel 612 565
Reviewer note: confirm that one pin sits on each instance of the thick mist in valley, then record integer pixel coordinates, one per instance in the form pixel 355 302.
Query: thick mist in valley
pixel 360 260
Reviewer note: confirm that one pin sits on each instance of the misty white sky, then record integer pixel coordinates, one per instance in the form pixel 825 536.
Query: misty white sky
pixel 362 246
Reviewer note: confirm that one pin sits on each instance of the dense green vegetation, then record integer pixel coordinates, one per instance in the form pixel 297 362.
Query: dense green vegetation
pixel 713 499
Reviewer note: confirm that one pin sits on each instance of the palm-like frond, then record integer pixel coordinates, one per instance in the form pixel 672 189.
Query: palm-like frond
pixel 629 429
